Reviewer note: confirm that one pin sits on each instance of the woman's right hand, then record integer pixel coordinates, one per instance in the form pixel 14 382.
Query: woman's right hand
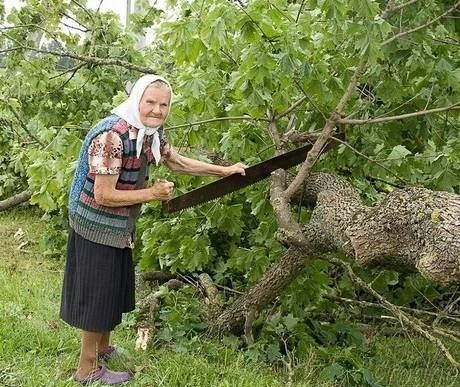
pixel 162 190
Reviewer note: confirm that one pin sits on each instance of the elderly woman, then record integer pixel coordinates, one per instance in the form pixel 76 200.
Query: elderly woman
pixel 107 191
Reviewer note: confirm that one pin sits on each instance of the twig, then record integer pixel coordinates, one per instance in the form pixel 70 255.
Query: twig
pixel 310 100
pixel 228 289
pixel 404 33
pixel 379 179
pixel 392 110
pixel 72 27
pixel 369 159
pixel 217 119
pixel 294 106
pixel 72 70
pixel 375 305
pixel 21 122
pixel 348 121
pixel 99 6
pixel 84 9
pixel 391 10
pixel 86 29
pixel 300 11
pixel 452 335
pixel 257 25
pixel 412 321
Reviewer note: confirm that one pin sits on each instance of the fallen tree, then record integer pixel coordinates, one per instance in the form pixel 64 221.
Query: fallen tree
pixel 412 230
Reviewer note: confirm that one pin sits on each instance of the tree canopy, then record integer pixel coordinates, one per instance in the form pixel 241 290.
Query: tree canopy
pixel 251 79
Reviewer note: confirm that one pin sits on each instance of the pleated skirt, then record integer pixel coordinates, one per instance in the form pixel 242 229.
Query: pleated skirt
pixel 98 285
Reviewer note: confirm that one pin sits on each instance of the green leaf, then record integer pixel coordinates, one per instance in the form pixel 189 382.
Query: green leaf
pixel 398 154
pixel 333 371
pixel 290 321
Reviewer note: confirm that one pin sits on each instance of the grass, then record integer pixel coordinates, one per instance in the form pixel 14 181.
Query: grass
pixel 38 349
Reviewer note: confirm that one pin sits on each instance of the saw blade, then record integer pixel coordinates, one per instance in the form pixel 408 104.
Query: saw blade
pixel 236 182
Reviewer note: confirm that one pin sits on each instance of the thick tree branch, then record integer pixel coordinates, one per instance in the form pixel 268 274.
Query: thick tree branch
pixel 15 199
pixel 455 106
pixel 324 136
pixel 85 58
pixel 432 21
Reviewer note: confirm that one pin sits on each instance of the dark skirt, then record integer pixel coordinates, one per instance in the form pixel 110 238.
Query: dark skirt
pixel 98 284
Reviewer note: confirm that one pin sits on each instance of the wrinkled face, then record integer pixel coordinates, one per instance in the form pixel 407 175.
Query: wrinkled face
pixel 154 106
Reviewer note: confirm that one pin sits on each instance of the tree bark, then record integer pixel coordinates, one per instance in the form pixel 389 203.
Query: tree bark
pixel 412 230
pixel 277 278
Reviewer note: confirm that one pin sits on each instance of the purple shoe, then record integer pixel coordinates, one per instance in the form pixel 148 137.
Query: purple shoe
pixel 105 376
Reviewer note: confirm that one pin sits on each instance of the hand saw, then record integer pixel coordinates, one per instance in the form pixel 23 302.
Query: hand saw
pixel 236 182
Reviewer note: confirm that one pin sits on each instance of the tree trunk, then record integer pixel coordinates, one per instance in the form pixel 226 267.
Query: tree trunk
pixel 412 230
pixel 278 277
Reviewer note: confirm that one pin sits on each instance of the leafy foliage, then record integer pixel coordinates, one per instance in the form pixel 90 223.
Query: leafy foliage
pixel 233 59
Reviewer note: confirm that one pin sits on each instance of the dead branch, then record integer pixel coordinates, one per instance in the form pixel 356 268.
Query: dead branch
pixel 406 309
pixel 411 321
pixel 455 106
pixel 16 199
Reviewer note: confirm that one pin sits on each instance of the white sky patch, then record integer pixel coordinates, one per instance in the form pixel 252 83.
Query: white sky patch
pixel 119 7
pixel 107 5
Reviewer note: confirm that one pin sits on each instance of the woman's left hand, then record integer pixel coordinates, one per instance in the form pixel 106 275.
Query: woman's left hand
pixel 235 168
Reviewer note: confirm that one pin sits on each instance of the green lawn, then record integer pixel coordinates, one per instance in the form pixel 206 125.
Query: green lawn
pixel 37 349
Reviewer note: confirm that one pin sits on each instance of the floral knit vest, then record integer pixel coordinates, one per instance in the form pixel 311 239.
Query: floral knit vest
pixel 112 226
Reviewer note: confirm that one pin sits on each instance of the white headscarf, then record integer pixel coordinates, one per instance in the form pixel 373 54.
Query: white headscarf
pixel 129 111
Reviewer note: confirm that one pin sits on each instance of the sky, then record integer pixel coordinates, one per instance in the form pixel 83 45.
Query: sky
pixel 117 6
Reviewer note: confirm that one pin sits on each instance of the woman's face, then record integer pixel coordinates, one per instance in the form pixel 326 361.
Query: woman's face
pixel 154 106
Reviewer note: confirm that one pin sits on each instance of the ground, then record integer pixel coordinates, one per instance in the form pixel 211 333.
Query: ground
pixel 38 349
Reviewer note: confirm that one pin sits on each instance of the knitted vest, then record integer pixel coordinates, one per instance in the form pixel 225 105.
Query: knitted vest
pixel 112 226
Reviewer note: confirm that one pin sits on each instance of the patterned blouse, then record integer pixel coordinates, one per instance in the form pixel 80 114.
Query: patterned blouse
pixel 105 152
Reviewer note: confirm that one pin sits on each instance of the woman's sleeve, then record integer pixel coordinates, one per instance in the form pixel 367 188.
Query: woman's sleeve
pixel 165 149
pixel 105 154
